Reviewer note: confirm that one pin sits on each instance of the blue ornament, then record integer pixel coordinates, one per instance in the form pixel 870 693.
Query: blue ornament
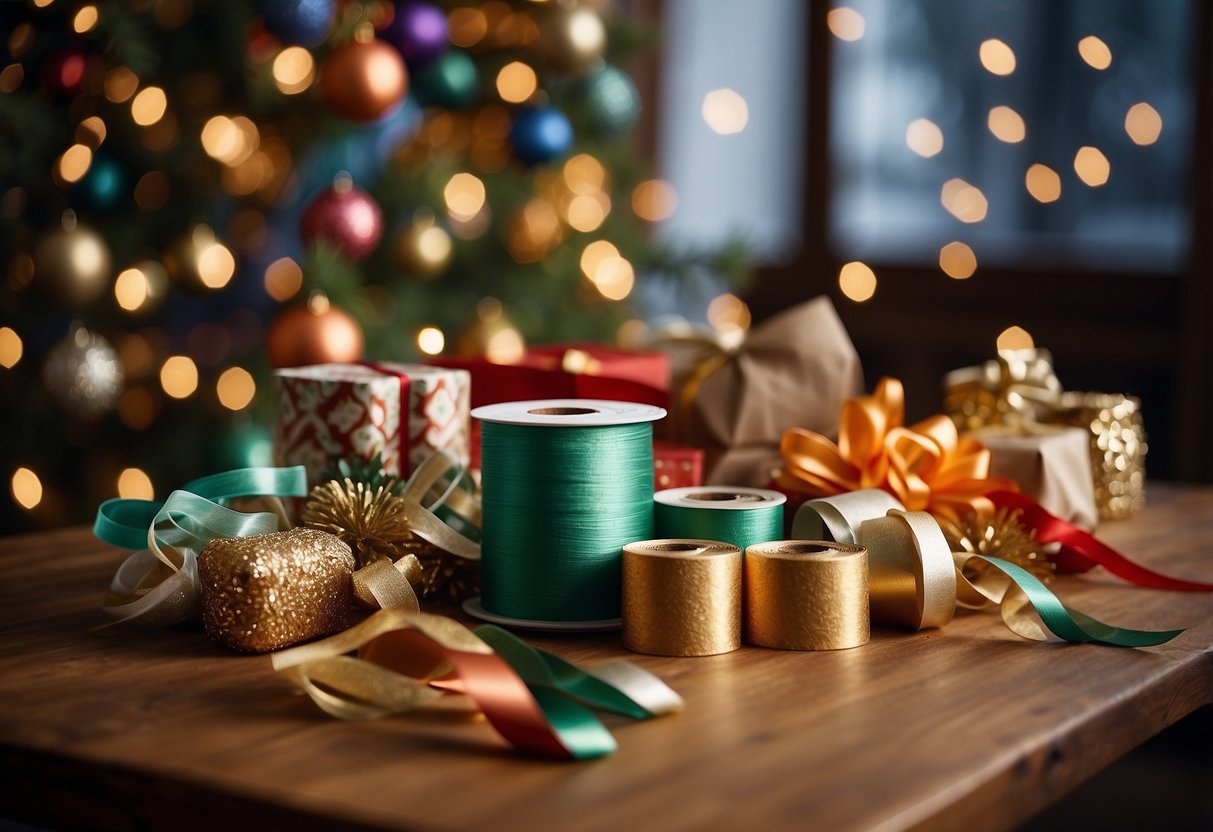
pixel 452 82
pixel 611 101
pixel 104 186
pixel 541 134
pixel 305 22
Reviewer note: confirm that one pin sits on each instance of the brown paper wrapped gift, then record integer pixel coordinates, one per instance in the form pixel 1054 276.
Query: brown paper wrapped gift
pixel 796 368
pixel 1051 464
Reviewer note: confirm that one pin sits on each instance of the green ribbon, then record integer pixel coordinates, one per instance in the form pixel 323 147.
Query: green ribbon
pixel 1070 624
pixel 196 509
pixel 579 731
pixel 542 670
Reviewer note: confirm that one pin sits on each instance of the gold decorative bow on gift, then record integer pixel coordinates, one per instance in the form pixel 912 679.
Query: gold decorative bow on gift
pixel 1020 388
pixel 927 466
pixel 1019 385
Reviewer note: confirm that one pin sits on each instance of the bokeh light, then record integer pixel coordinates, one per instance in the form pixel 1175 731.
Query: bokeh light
pixel 845 23
pixel 1015 338
pixel 924 137
pixel 149 106
pixel 516 82
pixel 74 163
pixel 85 19
pixel 1092 167
pixel 728 313
pixel 430 340
pixel 293 69
pixel 997 57
pixel 283 279
pixel 26 488
pixel 179 376
pixel 1095 52
pixel 725 111
pixel 235 388
pixel 1143 123
pixel 464 195
pixel 1043 183
pixel 11 348
pixel 857 281
pixel 957 260
pixel 1006 124
pixel 654 200
pixel 964 201
pixel 135 484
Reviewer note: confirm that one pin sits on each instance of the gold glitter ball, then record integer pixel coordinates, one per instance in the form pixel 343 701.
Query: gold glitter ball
pixel 269 591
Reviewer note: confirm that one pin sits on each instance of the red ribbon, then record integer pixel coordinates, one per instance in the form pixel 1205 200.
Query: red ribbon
pixel 1080 551
pixel 406 466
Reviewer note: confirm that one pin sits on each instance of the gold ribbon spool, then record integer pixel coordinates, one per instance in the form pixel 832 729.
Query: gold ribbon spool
pixel 806 595
pixel 839 517
pixel 681 597
pixel 912 575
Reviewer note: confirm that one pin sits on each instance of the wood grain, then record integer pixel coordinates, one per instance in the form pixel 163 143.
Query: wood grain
pixel 967 727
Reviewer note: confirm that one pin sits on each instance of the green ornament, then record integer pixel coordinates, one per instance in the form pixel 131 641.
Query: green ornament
pixel 452 81
pixel 610 100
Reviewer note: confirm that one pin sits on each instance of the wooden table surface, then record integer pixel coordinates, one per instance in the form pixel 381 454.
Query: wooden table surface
pixel 967 727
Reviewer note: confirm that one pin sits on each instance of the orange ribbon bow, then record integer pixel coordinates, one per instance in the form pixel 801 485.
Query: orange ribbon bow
pixel 927 466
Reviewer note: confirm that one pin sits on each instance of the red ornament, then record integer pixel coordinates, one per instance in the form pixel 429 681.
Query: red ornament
pixel 346 217
pixel 363 81
pixel 313 333
pixel 63 72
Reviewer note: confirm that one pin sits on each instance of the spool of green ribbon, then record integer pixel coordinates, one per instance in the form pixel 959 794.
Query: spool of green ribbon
pixel 566 483
pixel 732 514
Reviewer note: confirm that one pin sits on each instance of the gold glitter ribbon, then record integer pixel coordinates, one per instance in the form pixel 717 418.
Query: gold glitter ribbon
pixel 383 584
pixel 681 597
pixel 806 595
pixel 913 578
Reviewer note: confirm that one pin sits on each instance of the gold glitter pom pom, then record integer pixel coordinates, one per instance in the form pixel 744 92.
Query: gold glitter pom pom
pixel 370 520
pixel 374 523
pixel 1002 536
pixel 268 591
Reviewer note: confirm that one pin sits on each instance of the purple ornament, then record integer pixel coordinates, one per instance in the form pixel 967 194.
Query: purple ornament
pixel 418 31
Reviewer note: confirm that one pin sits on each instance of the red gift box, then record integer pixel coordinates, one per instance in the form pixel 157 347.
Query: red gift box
pixel 676 466
pixel 569 371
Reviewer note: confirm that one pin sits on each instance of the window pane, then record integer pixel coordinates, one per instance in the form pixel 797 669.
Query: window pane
pixel 1036 133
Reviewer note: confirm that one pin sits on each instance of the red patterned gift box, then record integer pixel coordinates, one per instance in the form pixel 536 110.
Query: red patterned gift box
pixel 676 466
pixel 404 412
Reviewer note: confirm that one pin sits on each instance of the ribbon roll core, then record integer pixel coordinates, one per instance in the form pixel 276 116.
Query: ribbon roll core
pixel 912 574
pixel 806 595
pixel 839 517
pixel 681 597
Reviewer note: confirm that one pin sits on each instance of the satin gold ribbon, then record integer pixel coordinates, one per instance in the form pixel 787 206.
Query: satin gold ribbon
pixel 838 517
pixel 408 659
pixel 421 517
pixel 806 595
pixel 913 577
pixel 927 466
pixel 159 586
pixel 383 584
pixel 681 597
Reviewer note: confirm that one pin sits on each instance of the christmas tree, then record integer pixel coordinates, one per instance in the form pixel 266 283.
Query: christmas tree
pixel 192 193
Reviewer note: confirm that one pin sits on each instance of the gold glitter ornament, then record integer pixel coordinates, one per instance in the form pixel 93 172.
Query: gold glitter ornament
pixel 1001 536
pixel 265 592
pixel 371 520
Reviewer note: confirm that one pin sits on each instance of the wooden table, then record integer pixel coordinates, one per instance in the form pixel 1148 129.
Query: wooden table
pixel 969 727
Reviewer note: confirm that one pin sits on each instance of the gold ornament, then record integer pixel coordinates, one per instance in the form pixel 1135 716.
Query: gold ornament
pixel 423 249
pixel 313 333
pixel 268 591
pixel 72 263
pixel 491 335
pixel 369 520
pixel 1001 536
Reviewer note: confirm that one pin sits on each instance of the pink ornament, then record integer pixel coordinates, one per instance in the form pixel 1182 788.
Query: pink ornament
pixel 345 217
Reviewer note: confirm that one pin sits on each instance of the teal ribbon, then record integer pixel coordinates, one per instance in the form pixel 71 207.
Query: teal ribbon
pixel 543 671
pixel 1070 624
pixel 196 509
pixel 581 733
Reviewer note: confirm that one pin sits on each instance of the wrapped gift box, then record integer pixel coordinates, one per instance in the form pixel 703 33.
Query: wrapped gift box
pixel 1050 464
pixel 569 371
pixel 405 412
pixel 676 466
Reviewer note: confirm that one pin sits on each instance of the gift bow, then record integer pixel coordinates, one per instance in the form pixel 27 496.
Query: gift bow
pixel 1019 385
pixel 926 466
